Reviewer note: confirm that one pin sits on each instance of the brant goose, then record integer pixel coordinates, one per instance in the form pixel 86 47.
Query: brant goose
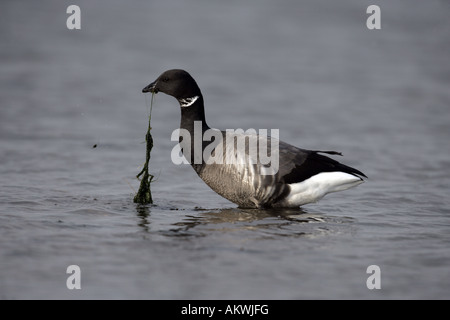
pixel 300 177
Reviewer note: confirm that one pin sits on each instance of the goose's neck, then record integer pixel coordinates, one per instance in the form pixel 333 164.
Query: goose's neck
pixel 193 120
pixel 192 110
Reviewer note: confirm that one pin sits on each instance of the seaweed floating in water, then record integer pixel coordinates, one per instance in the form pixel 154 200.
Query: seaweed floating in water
pixel 144 194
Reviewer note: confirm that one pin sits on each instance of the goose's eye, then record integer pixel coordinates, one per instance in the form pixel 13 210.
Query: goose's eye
pixel 165 79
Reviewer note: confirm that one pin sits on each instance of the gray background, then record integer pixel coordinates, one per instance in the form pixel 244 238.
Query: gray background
pixel 309 68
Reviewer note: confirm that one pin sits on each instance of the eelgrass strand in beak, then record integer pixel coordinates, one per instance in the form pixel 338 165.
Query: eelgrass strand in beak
pixel 144 195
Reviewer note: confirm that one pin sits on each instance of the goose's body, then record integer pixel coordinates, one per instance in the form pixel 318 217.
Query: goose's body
pixel 300 177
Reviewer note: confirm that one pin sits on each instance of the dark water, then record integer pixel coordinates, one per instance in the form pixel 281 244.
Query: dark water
pixel 309 68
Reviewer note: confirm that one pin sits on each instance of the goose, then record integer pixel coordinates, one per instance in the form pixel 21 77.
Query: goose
pixel 300 177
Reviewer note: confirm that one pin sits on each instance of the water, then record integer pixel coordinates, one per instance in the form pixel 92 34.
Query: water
pixel 311 69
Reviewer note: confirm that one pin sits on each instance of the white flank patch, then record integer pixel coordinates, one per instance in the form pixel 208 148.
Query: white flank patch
pixel 188 101
pixel 314 188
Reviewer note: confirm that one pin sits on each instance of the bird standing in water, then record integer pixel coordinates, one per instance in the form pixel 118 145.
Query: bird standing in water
pixel 302 176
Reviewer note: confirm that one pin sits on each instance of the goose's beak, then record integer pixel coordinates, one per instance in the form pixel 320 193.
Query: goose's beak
pixel 150 88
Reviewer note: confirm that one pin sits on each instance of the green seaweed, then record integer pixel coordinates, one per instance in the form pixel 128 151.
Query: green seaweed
pixel 144 194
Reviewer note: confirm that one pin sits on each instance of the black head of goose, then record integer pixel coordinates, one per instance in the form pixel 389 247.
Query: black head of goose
pixel 237 171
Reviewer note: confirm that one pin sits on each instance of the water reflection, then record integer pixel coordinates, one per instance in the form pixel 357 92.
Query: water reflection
pixel 246 223
pixel 143 212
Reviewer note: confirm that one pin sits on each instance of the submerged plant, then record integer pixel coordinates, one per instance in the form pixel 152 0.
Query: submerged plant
pixel 144 194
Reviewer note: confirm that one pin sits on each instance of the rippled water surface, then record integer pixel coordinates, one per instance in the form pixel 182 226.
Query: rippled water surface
pixel 309 68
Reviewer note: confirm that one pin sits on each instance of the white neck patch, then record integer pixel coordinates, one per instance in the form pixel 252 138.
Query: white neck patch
pixel 188 101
